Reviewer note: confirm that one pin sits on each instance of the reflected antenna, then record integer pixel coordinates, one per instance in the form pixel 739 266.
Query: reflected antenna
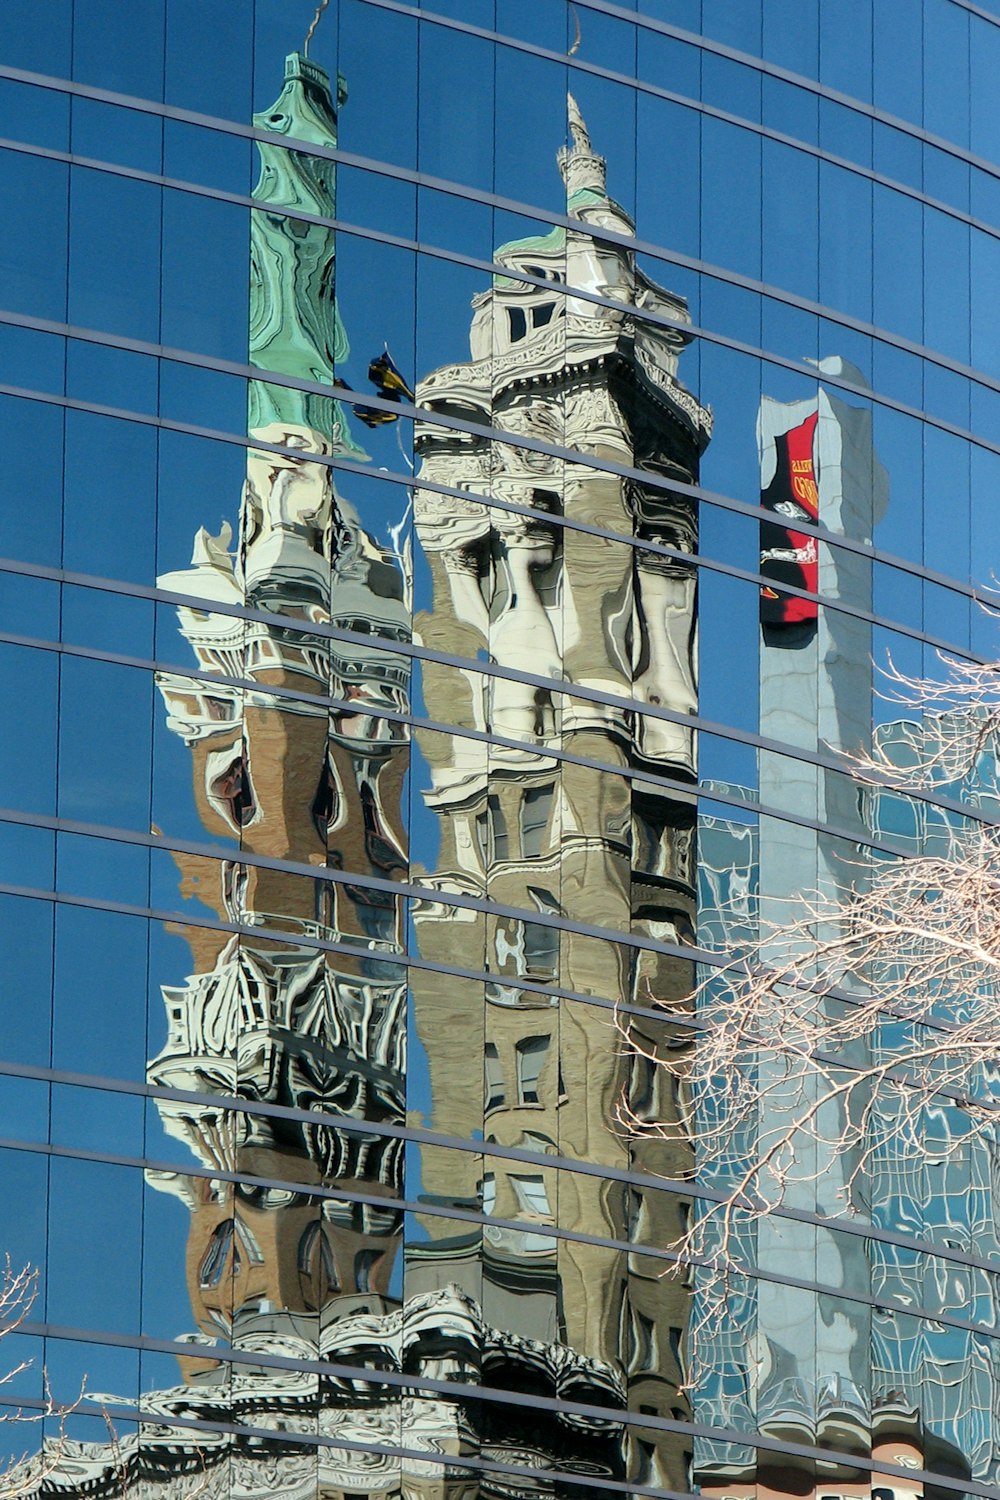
pixel 576 23
pixel 321 7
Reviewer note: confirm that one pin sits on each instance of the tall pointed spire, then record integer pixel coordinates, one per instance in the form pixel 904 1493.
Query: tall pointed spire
pixel 295 326
pixel 583 171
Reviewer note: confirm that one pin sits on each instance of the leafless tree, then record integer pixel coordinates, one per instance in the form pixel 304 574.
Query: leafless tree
pixel 58 1457
pixel 56 1464
pixel 818 1051
pixel 24 1472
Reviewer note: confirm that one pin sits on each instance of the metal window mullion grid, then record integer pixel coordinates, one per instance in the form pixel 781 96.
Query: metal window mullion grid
pixel 755 127
pixel 698 40
pixel 404 1382
pixel 834 540
pixel 416 652
pixel 715 1432
pixel 693 560
pixel 514 206
pixel 479 1219
pixel 409 961
pixel 722 1435
pixel 710 959
pixel 859 837
pixel 669 96
pixel 650 316
pixel 422 1136
pixel 772 70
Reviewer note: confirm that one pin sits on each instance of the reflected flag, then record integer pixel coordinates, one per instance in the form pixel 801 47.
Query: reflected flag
pixel 388 381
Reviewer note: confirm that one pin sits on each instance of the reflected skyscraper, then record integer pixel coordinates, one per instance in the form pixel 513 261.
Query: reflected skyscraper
pixel 815 686
pixel 813 1378
pixel 288 778
pixel 294 1223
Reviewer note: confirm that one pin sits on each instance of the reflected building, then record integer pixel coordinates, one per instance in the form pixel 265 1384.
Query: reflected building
pixel 577 811
pixel 423 1251
pixel 284 1069
pixel 827 1367
pixel 815 689
pixel 294 1223
pixel 292 780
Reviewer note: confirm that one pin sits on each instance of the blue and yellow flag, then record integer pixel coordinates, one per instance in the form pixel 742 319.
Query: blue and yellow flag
pixel 388 382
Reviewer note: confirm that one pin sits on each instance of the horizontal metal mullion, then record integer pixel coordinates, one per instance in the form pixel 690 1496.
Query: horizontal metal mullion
pixel 429 893
pixel 483 1220
pixel 350 1125
pixel 644 315
pixel 774 70
pixel 712 1434
pixel 433 418
pixel 303 1439
pixel 486 668
pixel 688 1188
pixel 693 560
pixel 397 1381
pixel 648 316
pixel 289 625
pixel 401 959
pixel 577 64
pixel 671 786
pixel 977 10
pixel 707 958
pixel 482 195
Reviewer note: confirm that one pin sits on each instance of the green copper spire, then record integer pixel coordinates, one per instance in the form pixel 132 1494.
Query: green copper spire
pixel 295 326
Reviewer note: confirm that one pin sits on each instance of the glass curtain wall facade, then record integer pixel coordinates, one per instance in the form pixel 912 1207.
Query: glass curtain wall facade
pixel 465 465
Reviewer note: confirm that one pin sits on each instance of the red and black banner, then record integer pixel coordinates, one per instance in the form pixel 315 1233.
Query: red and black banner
pixel 786 556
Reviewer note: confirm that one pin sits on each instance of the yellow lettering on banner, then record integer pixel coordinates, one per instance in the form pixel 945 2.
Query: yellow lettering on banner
pixel 805 490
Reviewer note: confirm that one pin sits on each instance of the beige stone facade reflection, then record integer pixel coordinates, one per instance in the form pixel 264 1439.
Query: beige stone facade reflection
pixel 556 838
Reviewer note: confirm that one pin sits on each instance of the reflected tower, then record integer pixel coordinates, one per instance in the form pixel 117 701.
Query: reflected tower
pixel 577 813
pixel 790 1361
pixel 828 1366
pixel 294 1222
pixel 290 779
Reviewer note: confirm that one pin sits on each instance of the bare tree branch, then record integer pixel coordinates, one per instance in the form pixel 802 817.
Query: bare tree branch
pixel 818 1050
pixel 25 1472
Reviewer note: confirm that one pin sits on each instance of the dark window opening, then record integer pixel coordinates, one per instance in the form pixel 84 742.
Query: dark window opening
pixel 326 802
pixel 213 1262
pixel 531 1053
pixel 234 788
pixel 518 323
